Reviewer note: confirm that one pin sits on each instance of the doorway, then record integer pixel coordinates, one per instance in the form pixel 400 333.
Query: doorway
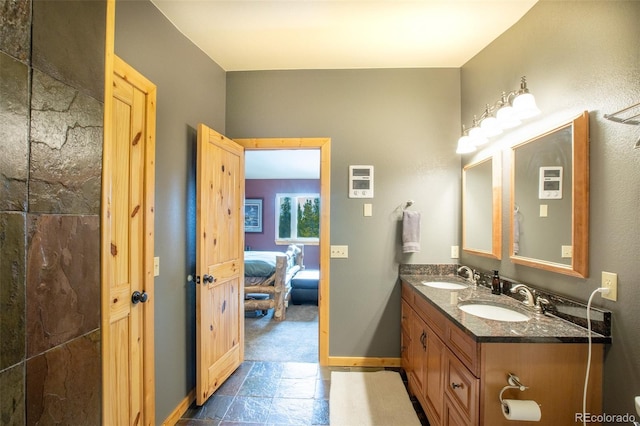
pixel 324 147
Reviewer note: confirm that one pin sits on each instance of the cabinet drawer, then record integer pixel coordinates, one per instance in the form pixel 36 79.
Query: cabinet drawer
pixel 434 318
pixel 464 347
pixel 462 388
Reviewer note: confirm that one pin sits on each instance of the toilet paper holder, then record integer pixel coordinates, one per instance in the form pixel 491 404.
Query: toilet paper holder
pixel 518 409
pixel 514 383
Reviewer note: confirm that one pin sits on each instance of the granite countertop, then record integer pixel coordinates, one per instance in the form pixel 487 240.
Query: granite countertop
pixel 539 329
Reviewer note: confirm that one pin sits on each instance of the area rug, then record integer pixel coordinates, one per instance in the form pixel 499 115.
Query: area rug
pixel 370 398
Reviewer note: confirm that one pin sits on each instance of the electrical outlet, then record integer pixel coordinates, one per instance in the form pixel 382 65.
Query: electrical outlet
pixel 156 266
pixel 610 281
pixel 339 252
pixel 455 252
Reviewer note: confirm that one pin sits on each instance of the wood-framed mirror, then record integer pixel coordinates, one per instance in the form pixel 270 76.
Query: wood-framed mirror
pixel 550 200
pixel 482 207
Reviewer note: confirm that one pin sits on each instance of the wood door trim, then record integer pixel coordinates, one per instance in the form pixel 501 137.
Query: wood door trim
pixel 107 169
pixel 324 144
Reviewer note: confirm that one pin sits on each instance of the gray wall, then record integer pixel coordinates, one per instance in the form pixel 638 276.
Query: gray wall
pixel 191 90
pixel 579 56
pixel 405 123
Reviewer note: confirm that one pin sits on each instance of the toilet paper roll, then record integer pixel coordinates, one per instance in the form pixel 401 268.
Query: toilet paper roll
pixel 517 409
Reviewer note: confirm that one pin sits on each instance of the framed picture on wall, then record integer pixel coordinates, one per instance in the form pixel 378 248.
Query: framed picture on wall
pixel 253 215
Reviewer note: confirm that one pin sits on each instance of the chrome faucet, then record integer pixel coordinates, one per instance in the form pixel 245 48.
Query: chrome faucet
pixel 472 276
pixel 526 291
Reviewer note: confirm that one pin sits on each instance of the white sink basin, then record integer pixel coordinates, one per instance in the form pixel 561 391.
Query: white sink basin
pixel 445 285
pixel 493 312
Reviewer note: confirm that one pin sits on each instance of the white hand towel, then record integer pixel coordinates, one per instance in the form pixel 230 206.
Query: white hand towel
pixel 410 231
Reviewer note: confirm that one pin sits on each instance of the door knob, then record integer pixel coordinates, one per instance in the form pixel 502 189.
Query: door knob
pixel 138 297
pixel 208 278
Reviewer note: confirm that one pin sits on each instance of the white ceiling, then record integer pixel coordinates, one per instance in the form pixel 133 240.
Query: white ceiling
pixel 282 164
pixel 242 35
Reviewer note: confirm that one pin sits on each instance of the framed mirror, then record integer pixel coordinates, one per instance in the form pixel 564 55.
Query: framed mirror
pixel 482 207
pixel 550 200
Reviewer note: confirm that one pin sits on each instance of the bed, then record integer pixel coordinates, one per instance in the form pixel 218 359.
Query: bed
pixel 267 278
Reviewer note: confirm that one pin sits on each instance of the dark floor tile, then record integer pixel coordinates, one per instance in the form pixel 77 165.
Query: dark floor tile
pixel 214 409
pixel 265 387
pixel 296 388
pixel 248 409
pixel 235 381
pixel 267 369
pixel 289 411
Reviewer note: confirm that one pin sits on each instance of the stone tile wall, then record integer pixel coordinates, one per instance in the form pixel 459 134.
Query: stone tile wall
pixel 51 118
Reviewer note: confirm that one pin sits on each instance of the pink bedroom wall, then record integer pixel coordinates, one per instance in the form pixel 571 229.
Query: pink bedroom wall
pixel 266 189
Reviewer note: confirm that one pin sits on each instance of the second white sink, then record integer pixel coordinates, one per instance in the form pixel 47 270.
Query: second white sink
pixel 445 285
pixel 493 312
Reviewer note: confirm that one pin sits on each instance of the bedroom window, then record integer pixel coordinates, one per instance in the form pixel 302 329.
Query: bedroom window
pixel 297 218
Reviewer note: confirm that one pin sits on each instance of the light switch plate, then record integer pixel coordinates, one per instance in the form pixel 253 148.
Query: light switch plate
pixel 455 252
pixel 156 266
pixel 339 252
pixel 567 252
pixel 544 210
pixel 368 209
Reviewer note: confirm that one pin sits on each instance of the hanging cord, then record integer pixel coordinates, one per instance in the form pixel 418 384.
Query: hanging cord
pixel 586 377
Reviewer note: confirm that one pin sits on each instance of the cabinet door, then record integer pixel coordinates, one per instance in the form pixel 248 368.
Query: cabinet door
pixel 418 351
pixel 434 374
pixel 451 415
pixel 405 343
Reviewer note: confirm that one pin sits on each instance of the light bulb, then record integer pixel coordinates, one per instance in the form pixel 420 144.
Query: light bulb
pixel 525 106
pixel 465 145
pixel 507 117
pixel 490 126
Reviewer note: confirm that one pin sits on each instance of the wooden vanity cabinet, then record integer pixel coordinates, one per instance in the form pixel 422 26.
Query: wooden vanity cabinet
pixel 424 362
pixel 458 380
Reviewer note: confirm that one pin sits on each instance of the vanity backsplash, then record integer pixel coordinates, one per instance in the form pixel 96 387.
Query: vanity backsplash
pixel 559 306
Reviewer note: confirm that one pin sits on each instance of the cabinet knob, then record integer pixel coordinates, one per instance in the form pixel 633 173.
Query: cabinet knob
pixel 456 385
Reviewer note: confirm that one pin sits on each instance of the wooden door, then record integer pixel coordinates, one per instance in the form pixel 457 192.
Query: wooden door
pixel 127 249
pixel 220 261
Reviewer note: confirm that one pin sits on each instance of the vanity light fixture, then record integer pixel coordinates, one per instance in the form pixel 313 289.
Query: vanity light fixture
pixel 506 113
pixel 465 143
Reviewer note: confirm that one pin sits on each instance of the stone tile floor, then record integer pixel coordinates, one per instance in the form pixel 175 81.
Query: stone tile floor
pixel 272 393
